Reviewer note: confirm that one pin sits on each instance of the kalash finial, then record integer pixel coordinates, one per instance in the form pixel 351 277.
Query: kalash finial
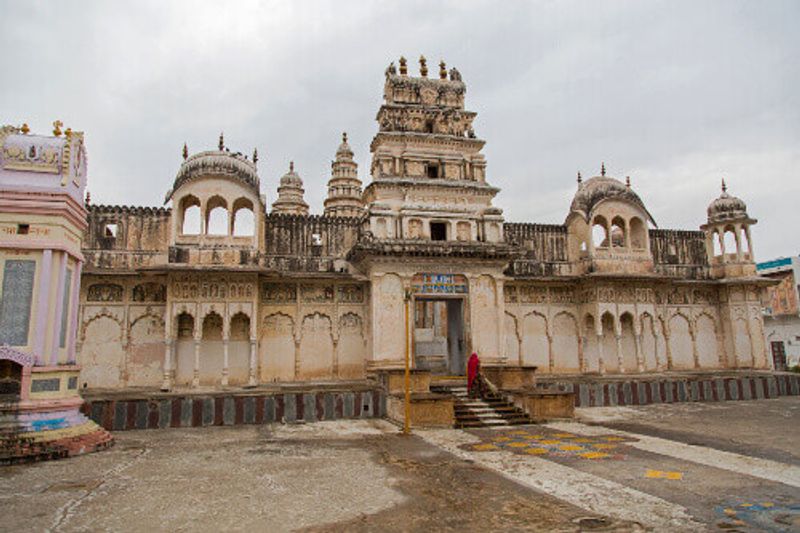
pixel 291 166
pixel 88 198
pixel 580 178
pixel 602 169
pixel 724 187
pixel 221 144
pixel 423 66
pixel 344 136
pixel 403 66
pixel 255 155
pixel 442 70
pixel 185 152
pixel 57 128
pixel 628 181
pixel 25 129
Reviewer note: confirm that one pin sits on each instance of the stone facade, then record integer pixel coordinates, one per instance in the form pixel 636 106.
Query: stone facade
pixel 325 298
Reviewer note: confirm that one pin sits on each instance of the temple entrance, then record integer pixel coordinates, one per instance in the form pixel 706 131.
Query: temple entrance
pixel 439 335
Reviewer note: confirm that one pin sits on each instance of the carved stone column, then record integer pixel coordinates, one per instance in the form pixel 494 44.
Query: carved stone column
pixel 620 361
pixel 169 364
pixel 660 366
pixel 601 364
pixel 639 356
pixel 225 369
pixel 252 379
pixel 196 378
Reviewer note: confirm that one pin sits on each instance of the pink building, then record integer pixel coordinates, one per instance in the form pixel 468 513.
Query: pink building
pixel 42 220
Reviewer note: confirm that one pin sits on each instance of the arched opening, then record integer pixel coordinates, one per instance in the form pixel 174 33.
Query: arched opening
pixel 217 216
pixel 10 379
pixel 628 342
pixel 638 234
pixel 618 236
pixel 745 243
pixel 600 232
pixel 716 239
pixel 243 218
pixel 729 240
pixel 239 349
pixel 190 215
pixel 590 348
pixel 610 356
pixel 185 326
pixel 184 349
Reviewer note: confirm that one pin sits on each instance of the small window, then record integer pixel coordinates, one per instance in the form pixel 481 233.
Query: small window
pixel 110 230
pixel 23 229
pixel 432 170
pixel 316 239
pixel 428 126
pixel 438 231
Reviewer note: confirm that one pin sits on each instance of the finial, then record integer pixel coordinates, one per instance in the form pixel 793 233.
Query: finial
pixel 628 181
pixel 88 198
pixel 423 66
pixel 602 169
pixel 185 152
pixel 57 128
pixel 344 136
pixel 68 133
pixel 291 166
pixel 25 129
pixel 255 155
pixel 724 187
pixel 403 66
pixel 442 70
pixel 221 142
pixel 580 179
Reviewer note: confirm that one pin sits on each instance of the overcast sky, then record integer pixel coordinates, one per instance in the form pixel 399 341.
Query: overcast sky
pixel 674 94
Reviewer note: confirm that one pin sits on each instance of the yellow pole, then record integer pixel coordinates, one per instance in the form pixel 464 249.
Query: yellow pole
pixel 407 377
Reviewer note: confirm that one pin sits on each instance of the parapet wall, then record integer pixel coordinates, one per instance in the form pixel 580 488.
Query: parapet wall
pixel 544 249
pixel 679 253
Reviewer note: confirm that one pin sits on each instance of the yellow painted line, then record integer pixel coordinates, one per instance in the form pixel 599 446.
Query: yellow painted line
pixel 730 512
pixel 583 440
pixel 535 437
pixel 673 475
pixel 518 433
pixel 746 505
pixel 613 439
pixel 485 447
pixel 563 435
pixel 570 448
pixel 663 475
pixel 550 442
pixel 536 451
pixel 602 446
pixel 593 455
pixel 768 504
pixel 503 439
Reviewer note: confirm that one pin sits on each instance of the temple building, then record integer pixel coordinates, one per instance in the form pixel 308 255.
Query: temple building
pixel 42 224
pixel 216 291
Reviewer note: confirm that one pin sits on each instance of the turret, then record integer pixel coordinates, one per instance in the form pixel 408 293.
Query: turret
pixel 728 243
pixel 290 195
pixel 344 187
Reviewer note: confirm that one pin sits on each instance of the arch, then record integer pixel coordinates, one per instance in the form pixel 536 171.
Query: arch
pixel 184 347
pixel 600 232
pixel 535 344
pixel 145 365
pixel 243 218
pixel 638 231
pixel 565 342
pixel 716 239
pixel 706 341
pixel 729 240
pixel 628 342
pixel 10 379
pixel 680 342
pixel 619 232
pixel 239 349
pixel 211 349
pixel 217 216
pixel 190 215
pixel 101 314
pixel 741 341
pixel 609 340
pixel 212 326
pixel 351 346
pixel 511 329
pixel 277 348
pixel 744 242
pixel 316 347
pixel 591 354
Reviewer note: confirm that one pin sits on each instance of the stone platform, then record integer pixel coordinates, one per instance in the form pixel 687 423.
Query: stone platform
pixel 606 391
pixel 295 403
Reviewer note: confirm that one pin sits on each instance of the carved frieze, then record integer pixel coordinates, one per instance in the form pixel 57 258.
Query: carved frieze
pixel 532 295
pixel 351 294
pixel 510 294
pixel 149 292
pixel 104 292
pixel 279 292
pixel 562 295
pixel 312 293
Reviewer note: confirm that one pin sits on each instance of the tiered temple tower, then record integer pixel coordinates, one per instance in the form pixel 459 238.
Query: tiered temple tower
pixel 429 177
pixel 290 195
pixel 344 187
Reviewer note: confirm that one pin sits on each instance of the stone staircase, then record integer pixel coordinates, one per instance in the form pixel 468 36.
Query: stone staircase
pixel 490 411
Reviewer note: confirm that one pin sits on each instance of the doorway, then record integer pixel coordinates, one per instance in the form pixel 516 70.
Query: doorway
pixel 439 336
pixel 778 355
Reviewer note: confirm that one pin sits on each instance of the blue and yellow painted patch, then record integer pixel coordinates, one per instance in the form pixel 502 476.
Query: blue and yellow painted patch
pixel 548 443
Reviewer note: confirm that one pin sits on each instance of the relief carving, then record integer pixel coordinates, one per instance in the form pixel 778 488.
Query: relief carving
pixel 316 293
pixel 104 292
pixel 279 292
pixel 149 292
pixel 351 294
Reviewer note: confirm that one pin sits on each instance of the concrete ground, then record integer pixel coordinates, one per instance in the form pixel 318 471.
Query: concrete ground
pixel 683 467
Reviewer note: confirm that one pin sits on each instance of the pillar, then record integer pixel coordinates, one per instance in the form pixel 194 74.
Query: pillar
pixel 196 378
pixel 42 308
pixel 225 361
pixel 620 360
pixel 639 358
pixel 73 304
pixel 601 364
pixel 169 371
pixel 252 379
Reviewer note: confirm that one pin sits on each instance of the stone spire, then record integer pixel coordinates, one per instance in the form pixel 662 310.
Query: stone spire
pixel 290 195
pixel 344 187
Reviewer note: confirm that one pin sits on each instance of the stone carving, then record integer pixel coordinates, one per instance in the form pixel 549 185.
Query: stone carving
pixel 463 231
pixel 149 292
pixel 562 295
pixel 15 308
pixel 415 229
pixel 350 294
pixel 529 294
pixel 510 294
pixel 316 293
pixel 104 292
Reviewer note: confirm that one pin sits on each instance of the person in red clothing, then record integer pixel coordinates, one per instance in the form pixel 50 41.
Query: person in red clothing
pixel 473 368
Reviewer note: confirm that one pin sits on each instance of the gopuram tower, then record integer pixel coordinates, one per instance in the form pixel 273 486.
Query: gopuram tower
pixel 344 187
pixel 435 242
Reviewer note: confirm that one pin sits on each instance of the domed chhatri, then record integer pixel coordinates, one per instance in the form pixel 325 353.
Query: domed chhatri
pixel 219 164
pixel 290 195
pixel 726 207
pixel 600 188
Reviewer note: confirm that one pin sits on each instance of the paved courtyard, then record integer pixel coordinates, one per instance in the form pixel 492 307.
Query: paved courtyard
pixel 684 467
